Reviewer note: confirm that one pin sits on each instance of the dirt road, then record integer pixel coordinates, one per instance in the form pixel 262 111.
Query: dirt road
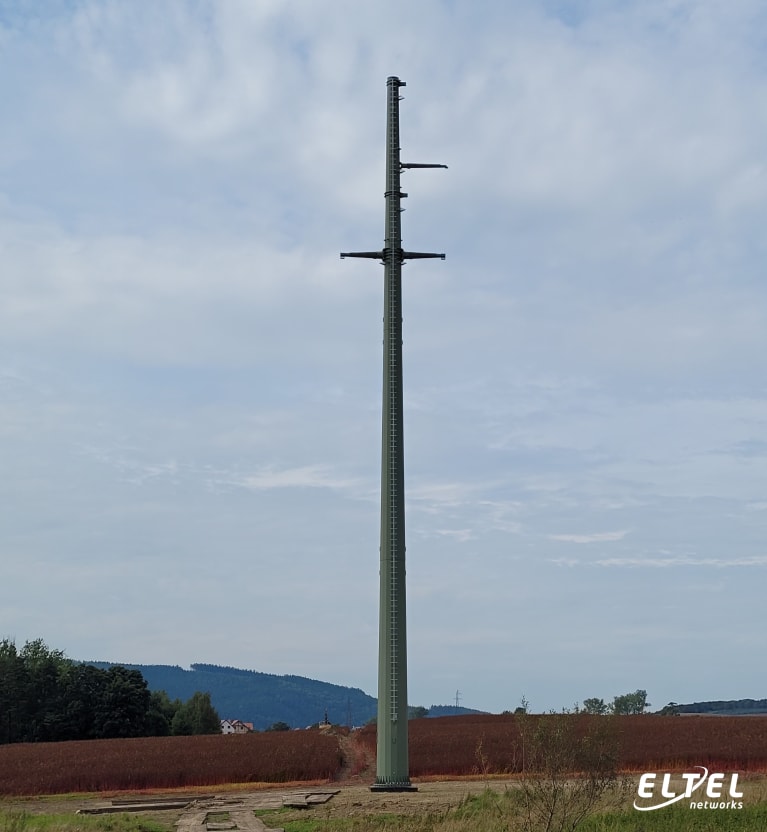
pixel 229 808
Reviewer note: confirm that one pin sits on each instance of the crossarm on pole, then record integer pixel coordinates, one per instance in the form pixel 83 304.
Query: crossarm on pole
pixel 408 165
pixel 370 255
pixel 420 255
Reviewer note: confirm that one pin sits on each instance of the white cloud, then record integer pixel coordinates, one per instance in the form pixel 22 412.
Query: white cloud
pixel 459 535
pixel 191 376
pixel 309 476
pixel 597 537
pixel 666 563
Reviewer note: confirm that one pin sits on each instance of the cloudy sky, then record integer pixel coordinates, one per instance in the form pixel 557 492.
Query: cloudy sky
pixel 190 377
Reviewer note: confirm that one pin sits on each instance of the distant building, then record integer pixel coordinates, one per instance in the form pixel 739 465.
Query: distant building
pixel 236 726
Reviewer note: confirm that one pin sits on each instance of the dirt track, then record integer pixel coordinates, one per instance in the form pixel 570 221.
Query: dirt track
pixel 347 801
pixel 233 808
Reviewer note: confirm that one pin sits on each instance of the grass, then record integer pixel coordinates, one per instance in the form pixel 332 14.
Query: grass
pixel 480 813
pixel 673 819
pixel 485 811
pixel 18 821
pixel 493 810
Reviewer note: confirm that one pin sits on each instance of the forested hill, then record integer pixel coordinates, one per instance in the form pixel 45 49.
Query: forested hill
pixel 261 698
pixel 730 707
pixel 451 710
pixel 265 699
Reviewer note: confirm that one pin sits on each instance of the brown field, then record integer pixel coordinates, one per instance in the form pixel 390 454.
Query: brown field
pixel 460 746
pixel 444 747
pixel 167 762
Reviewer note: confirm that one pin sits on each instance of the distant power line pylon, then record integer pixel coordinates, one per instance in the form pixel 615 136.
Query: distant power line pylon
pixel 458 699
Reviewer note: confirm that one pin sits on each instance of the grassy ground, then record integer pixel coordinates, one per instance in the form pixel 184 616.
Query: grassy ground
pixel 493 809
pixel 444 807
pixel 474 815
pixel 484 818
pixel 13 820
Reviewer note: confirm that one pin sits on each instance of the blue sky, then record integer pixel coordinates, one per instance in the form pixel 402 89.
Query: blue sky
pixel 190 377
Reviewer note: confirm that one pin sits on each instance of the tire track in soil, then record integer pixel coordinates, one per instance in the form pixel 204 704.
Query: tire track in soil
pixel 358 761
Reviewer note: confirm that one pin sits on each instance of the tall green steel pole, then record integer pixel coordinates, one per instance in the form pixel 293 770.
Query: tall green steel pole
pixel 392 766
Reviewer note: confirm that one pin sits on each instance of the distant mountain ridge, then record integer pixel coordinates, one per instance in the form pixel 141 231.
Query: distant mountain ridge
pixel 260 698
pixel 265 698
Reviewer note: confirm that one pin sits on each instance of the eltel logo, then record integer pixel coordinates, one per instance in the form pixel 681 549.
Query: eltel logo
pixel 714 787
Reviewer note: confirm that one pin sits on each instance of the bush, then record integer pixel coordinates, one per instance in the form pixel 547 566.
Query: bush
pixel 569 769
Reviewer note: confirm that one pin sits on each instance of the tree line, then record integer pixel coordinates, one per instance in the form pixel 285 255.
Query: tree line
pixel 46 697
pixel 626 704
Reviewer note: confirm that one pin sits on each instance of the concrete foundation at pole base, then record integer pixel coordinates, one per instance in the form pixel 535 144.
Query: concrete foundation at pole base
pixel 393 787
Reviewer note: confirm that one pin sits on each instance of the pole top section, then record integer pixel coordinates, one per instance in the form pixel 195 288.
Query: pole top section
pixel 393 81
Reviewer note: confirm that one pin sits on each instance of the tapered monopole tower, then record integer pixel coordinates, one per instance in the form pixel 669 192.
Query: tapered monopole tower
pixel 392 767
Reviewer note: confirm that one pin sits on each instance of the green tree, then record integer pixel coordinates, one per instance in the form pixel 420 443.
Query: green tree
pixel 278 726
pixel 41 701
pixel 12 693
pixel 81 692
pixel 46 697
pixel 124 704
pixel 196 716
pixel 631 703
pixel 161 712
pixel 595 706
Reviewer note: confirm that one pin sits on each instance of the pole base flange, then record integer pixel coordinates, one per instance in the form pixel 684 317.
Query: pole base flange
pixel 393 787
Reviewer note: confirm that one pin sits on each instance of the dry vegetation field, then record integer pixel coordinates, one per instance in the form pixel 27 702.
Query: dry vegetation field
pixel 455 746
pixel 444 747
pixel 167 762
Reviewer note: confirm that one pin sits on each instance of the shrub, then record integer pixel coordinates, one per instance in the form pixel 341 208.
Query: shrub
pixel 569 766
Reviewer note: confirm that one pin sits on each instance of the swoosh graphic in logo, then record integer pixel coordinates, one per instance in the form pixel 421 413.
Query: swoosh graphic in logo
pixel 678 797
